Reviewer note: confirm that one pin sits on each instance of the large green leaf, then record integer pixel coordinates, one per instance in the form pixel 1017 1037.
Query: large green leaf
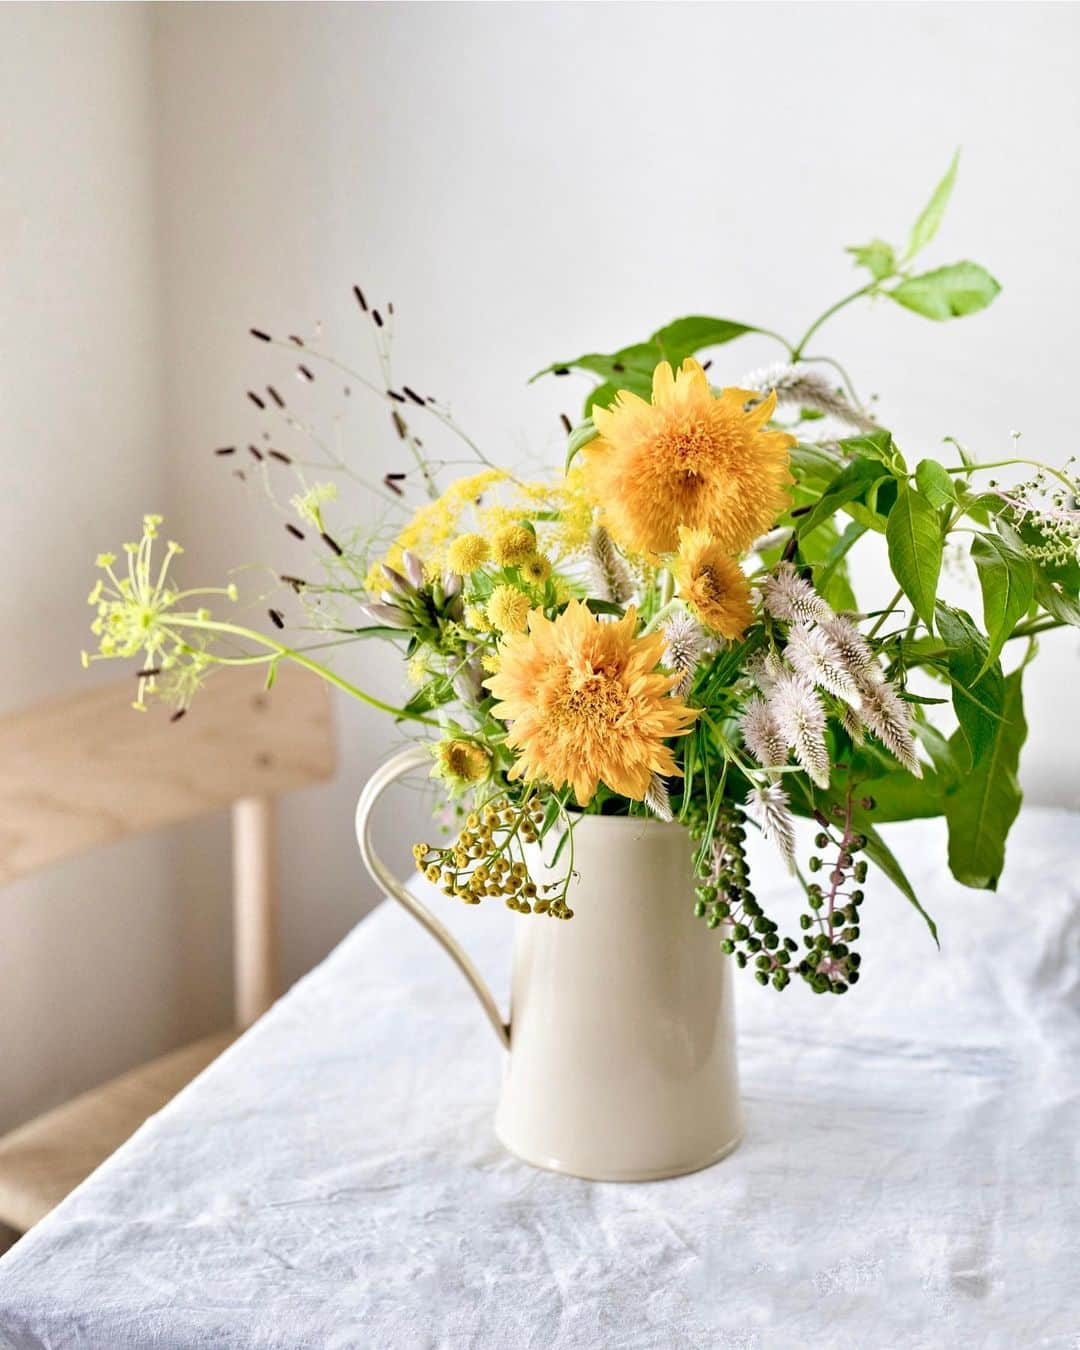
pixel 902 796
pixel 982 805
pixel 978 688
pixel 1007 580
pixel 932 213
pixel 632 367
pixel 1057 600
pixel 947 292
pixel 854 480
pixel 882 856
pixel 935 483
pixel 875 445
pixel 913 534
pixel 685 337
pixel 629 368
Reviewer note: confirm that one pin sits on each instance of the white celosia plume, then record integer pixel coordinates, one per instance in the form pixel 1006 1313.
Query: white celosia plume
pixel 798 386
pixel 612 579
pixel 657 799
pixel 887 715
pixel 800 719
pixel 764 668
pixel 818 659
pixel 685 643
pixel 854 649
pixel 787 595
pixel 768 804
pixel 761 735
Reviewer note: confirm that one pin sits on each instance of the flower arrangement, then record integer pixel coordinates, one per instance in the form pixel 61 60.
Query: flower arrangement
pixel 672 626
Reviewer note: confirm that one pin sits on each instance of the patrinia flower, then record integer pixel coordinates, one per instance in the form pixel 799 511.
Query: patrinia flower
pixel 713 584
pixel 690 457
pixel 587 705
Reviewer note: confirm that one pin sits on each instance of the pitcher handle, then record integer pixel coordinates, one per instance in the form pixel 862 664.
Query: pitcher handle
pixel 403 762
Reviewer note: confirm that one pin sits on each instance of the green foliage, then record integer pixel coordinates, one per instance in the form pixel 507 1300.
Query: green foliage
pixel 878 257
pixel 632 367
pixel 933 212
pixel 853 482
pixel 947 292
pixel 914 537
pixel 1007 579
pixel 977 685
pixel 935 483
pixel 982 804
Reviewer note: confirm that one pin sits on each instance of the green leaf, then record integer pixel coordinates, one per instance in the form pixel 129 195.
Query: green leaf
pixel 982 805
pixel 935 484
pixel 947 292
pixel 1057 601
pixel 581 435
pixel 901 796
pixel 604 607
pixel 629 368
pixel 836 559
pixel 978 689
pixel 603 395
pixel 881 855
pixel 632 367
pixel 913 534
pixel 854 480
pixel 685 337
pixel 1007 580
pixel 878 257
pixel 875 445
pixel 932 213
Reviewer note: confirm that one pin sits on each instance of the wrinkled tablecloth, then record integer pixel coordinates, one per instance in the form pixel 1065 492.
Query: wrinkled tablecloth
pixel 908 1176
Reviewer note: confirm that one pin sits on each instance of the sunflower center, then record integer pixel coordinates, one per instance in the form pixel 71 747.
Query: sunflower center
pixel 688 448
pixel 587 698
pixel 712 584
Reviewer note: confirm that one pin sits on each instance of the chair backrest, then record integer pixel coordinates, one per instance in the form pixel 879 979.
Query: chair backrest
pixel 88 770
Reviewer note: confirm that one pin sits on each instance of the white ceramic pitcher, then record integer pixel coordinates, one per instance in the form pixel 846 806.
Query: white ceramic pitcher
pixel 621 1039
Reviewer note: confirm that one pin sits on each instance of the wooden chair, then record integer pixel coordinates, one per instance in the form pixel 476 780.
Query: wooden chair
pixel 87 771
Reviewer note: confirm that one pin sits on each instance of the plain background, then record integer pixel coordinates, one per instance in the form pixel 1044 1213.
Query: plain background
pixel 524 182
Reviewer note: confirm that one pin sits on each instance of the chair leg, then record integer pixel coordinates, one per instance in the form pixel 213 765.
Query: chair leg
pixel 257 959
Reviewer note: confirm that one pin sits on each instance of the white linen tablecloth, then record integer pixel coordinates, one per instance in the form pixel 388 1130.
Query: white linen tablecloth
pixel 908 1176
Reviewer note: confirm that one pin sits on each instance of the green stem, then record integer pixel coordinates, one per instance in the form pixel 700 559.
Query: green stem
pixel 299 659
pixel 797 350
pixel 890 608
pixel 1006 463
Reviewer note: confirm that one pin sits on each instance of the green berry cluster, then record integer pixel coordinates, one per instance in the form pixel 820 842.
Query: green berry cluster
pixel 724 900
pixel 830 925
pixel 479 863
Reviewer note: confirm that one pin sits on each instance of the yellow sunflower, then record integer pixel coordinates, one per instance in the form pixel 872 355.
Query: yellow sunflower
pixel 713 584
pixel 586 703
pixel 688 458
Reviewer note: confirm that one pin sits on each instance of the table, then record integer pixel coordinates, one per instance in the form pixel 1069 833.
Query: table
pixel 908 1177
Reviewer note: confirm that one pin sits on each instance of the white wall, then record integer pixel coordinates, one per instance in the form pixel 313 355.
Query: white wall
pixel 91 973
pixel 529 181
pixel 525 182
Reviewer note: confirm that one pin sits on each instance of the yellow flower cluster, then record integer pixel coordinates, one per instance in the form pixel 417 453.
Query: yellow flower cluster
pixel 493 504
